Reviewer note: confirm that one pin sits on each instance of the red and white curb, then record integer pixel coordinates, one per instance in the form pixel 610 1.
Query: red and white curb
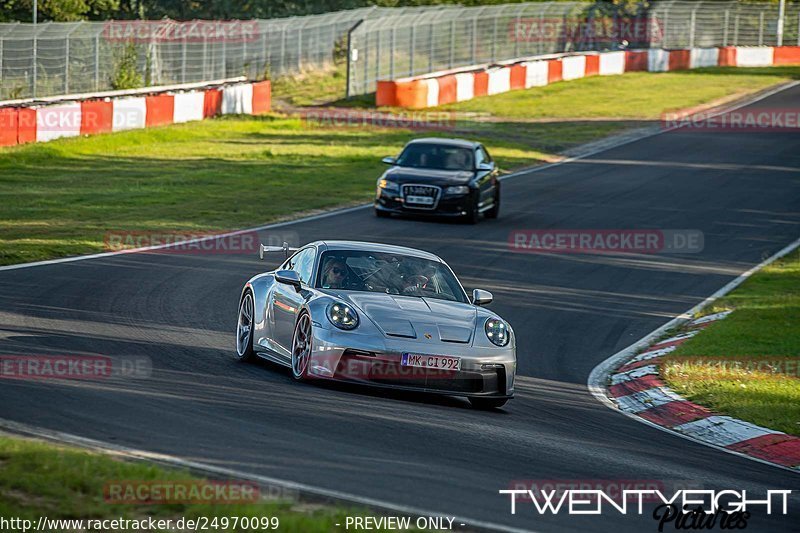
pixel 629 381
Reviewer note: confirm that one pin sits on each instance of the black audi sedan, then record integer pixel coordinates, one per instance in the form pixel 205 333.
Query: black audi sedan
pixel 442 177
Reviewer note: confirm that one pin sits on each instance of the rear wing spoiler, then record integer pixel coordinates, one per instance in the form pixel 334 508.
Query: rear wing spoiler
pixel 286 249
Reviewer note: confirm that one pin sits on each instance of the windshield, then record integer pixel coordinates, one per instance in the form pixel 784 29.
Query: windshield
pixel 436 156
pixel 388 273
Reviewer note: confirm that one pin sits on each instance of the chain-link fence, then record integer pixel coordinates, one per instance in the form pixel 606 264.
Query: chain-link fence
pixel 65 58
pixel 409 44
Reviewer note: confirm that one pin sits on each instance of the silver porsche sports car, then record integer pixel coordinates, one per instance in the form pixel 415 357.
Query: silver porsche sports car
pixel 380 315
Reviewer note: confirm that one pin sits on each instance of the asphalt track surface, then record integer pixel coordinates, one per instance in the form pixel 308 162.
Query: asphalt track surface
pixel 569 311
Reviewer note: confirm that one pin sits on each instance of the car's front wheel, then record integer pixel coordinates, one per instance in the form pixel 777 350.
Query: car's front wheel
pixel 487 403
pixel 301 347
pixel 473 213
pixel 494 212
pixel 244 328
pixel 382 214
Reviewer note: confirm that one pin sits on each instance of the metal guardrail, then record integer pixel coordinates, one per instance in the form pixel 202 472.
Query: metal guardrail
pixel 55 58
pixel 395 46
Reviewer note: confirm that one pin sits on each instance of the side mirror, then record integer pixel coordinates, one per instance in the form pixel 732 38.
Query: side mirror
pixel 289 277
pixel 486 166
pixel 481 297
pixel 389 160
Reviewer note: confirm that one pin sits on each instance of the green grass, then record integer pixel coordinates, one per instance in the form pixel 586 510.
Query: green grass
pixel 311 88
pixel 764 328
pixel 40 479
pixel 60 198
pixel 635 95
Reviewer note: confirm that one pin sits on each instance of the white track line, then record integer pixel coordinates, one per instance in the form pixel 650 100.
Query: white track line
pixel 600 374
pixel 211 470
pixel 522 172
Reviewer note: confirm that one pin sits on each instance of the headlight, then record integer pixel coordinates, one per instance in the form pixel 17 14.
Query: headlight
pixel 497 331
pixel 342 316
pixel 388 186
pixel 457 190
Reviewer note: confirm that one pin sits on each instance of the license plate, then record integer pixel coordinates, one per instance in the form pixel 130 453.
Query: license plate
pixel 437 362
pixel 422 200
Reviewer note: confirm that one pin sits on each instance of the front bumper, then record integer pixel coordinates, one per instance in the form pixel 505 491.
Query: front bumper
pixel 454 206
pixel 344 356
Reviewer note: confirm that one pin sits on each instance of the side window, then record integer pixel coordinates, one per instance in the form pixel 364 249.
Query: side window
pixel 302 263
pixel 479 156
pixel 484 155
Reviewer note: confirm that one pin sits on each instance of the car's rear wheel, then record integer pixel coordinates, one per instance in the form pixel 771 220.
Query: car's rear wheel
pixel 244 328
pixel 487 403
pixel 301 347
pixel 495 210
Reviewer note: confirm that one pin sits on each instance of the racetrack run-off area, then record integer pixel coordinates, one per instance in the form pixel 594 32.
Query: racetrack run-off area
pixel 569 312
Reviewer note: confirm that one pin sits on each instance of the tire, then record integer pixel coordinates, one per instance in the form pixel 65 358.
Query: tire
pixel 301 347
pixel 382 214
pixel 244 328
pixel 473 215
pixel 494 212
pixel 487 403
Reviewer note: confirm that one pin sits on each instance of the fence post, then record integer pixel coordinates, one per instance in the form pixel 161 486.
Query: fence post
pixel 798 29
pixel 66 65
pixel 781 12
pixel 205 56
pixel 245 66
pixel 494 39
pixel 474 39
pixel 391 56
pixel 35 66
pixel 283 49
pixel 183 60
pixel 224 58
pixel 378 54
pixel 725 29
pixel 736 30
pixel 299 48
pixel 430 47
pixel 761 29
pixel 348 87
pixel 96 62
pixel 692 26
pixel 1 65
pixel 451 60
pixel 413 45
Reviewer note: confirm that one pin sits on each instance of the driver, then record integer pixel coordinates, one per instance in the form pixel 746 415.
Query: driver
pixel 334 273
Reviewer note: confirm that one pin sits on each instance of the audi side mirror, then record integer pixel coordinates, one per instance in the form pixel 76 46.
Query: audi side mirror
pixel 389 160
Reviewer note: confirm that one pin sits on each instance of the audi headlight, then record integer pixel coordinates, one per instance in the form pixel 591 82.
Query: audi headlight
pixel 388 186
pixel 342 316
pixel 497 331
pixel 457 190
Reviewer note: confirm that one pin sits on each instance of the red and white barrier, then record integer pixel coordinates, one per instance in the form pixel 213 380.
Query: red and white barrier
pixel 188 106
pixel 573 67
pixel 119 112
pixel 704 57
pixel 465 86
pixel 535 74
pixel 612 63
pixel 754 56
pixel 454 86
pixel 658 60
pixel 129 113
pixel 237 99
pixel 54 122
pixel 499 80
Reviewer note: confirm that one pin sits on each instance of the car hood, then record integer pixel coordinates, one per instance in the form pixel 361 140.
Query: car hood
pixel 424 319
pixel 443 178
